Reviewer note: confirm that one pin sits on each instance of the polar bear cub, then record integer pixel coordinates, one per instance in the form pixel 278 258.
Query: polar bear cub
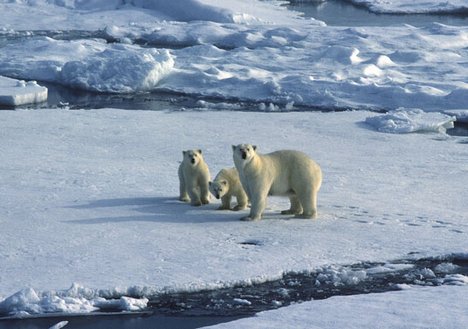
pixel 286 172
pixel 194 176
pixel 226 185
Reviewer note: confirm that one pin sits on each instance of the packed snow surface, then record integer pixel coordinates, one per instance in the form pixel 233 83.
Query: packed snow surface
pixel 90 197
pixel 17 92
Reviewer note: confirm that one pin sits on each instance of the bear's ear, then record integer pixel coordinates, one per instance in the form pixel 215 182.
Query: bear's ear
pixel 224 182
pixel 184 152
pixel 254 147
pixel 199 151
pixel 234 147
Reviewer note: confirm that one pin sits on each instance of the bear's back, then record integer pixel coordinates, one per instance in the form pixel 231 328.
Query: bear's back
pixel 229 174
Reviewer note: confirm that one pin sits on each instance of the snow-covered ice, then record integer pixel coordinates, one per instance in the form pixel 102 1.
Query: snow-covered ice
pixel 17 92
pixel 314 65
pixel 460 115
pixel 428 308
pixel 59 325
pixel 101 208
pixel 91 65
pixel 89 210
pixel 415 7
pixel 96 14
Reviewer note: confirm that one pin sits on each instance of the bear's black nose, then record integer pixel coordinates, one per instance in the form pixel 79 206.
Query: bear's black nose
pixel 217 196
pixel 244 155
pixel 193 161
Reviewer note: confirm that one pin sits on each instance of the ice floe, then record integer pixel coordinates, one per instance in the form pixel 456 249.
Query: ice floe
pixel 316 66
pixel 59 325
pixel 422 307
pixel 18 92
pixel 461 115
pixel 106 202
pixel 90 65
pixel 75 300
pixel 411 120
pixel 415 7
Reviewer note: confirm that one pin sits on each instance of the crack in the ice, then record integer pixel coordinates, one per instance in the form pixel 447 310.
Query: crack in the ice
pixel 326 282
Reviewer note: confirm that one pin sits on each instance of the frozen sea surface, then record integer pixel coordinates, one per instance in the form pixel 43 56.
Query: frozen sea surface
pixel 110 220
pixel 90 219
pixel 314 65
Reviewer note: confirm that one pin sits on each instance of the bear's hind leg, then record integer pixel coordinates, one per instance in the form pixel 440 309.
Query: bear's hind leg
pixel 296 207
pixel 309 203
pixel 204 192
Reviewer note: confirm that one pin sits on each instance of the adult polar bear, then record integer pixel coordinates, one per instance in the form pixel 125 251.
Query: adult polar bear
pixel 285 172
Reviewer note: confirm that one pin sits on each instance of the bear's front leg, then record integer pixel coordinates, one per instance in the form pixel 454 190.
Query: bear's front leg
pixel 183 196
pixel 225 203
pixel 194 194
pixel 258 204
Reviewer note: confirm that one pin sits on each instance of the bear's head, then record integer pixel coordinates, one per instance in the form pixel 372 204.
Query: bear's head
pixel 244 152
pixel 192 157
pixel 219 188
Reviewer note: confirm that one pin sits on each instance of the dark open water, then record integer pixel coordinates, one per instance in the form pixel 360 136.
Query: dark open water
pixel 186 310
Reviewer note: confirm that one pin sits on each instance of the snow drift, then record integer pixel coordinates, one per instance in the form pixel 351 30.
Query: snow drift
pixel 407 121
pixel 90 65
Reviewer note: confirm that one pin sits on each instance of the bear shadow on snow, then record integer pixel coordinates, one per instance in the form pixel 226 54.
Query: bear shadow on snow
pixel 118 202
pixel 155 209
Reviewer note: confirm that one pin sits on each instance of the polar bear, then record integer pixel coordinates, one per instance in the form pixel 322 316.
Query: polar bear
pixel 226 185
pixel 285 172
pixel 194 176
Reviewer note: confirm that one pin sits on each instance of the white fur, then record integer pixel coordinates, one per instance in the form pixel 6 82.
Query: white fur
pixel 226 185
pixel 194 176
pixel 286 172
